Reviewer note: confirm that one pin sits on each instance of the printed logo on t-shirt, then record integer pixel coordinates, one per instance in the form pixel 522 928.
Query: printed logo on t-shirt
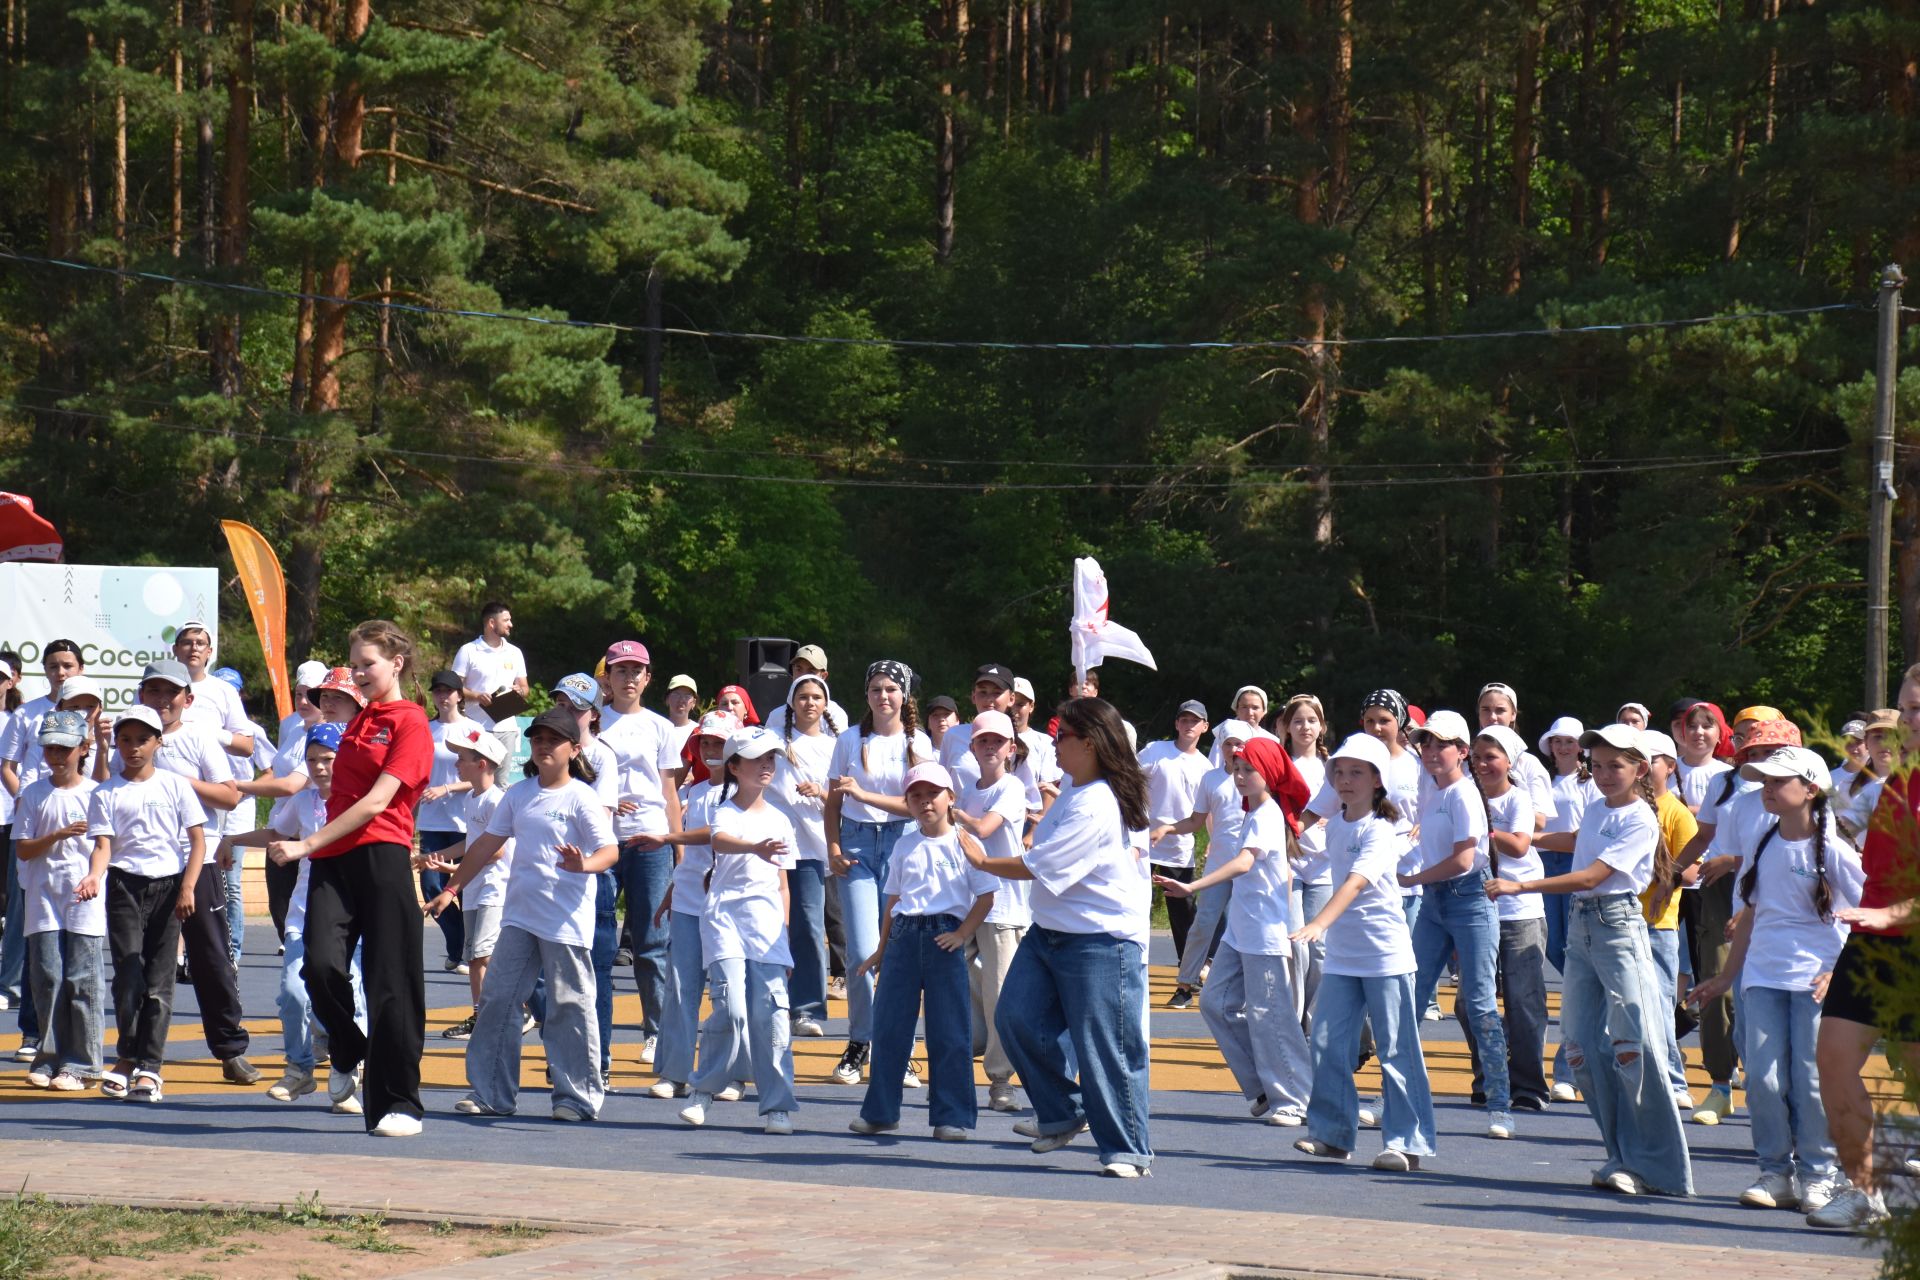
pixel 1611 828
pixel 380 737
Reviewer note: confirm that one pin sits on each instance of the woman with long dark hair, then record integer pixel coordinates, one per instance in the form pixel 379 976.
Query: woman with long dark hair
pixel 1081 970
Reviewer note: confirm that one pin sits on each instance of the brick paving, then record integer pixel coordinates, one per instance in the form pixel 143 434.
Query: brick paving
pixel 702 1227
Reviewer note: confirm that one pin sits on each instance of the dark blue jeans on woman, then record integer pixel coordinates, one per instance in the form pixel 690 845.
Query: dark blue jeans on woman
pixel 453 927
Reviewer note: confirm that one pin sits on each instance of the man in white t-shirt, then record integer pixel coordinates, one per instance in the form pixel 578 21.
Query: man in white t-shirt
pixel 490 665
pixel 1175 768
pixel 216 703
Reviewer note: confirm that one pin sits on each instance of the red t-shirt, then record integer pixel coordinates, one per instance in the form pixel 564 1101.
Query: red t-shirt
pixel 386 737
pixel 1891 855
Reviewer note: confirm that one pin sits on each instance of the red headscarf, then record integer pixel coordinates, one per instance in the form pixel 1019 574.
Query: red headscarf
pixel 690 753
pixel 750 717
pixel 1289 789
pixel 1723 748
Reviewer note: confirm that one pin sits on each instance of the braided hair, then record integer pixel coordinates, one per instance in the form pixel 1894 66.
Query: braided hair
pixel 826 718
pixel 1822 892
pixel 1665 874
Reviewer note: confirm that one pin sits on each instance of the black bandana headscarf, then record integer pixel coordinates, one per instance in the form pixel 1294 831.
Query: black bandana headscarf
pixel 1391 700
pixel 898 672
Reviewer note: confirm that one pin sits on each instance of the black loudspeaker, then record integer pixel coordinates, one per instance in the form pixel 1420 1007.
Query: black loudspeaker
pixel 764 664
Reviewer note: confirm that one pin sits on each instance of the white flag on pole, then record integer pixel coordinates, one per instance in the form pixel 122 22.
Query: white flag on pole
pixel 1096 637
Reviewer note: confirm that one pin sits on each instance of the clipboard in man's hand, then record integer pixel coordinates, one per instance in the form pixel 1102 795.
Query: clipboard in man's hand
pixel 507 703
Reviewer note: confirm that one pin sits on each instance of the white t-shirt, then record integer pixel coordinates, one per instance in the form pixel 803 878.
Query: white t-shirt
pixel 1086 876
pixel 444 814
pixel 216 705
pixel 147 822
pixel 6 796
pixel 884 771
pixel 1514 812
pixel 744 918
pixel 1012 899
pixel 932 877
pixel 1260 916
pixel 543 898
pixel 1534 778
pixel 1041 755
pixel 1742 821
pixel 1570 799
pixel 1173 785
pixel 48 881
pixel 1313 866
pixel 690 873
pixel 489 888
pixel 1624 838
pixel 191 752
pixel 1371 938
pixel 1220 800
pixel 290 759
pixel 805 759
pixel 644 744
pixel 606 774
pixel 1452 814
pixel 1697 780
pixel 1790 945
pixel 484 669
pixel 20 740
pixel 677 733
pixel 306 813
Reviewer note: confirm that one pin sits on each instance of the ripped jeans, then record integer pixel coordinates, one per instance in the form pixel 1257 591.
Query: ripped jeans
pixel 1616 1025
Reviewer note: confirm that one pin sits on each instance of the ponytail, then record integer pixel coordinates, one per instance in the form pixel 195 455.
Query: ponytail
pixel 1665 874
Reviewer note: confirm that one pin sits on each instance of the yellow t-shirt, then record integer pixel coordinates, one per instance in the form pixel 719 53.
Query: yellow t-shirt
pixel 1677 827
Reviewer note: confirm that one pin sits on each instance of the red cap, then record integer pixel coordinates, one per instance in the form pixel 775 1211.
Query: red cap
pixel 628 651
pixel 1416 715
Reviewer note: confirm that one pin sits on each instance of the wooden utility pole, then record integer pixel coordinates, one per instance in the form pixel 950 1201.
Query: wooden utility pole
pixel 1881 495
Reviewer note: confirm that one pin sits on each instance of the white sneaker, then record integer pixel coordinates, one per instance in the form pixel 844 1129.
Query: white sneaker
pixel 1286 1119
pixel 1683 1101
pixel 1120 1169
pixel 1054 1141
pixel 695 1112
pixel 1771 1191
pixel 807 1027
pixel 912 1078
pixel 567 1112
pixel 341 1087
pixel 950 1133
pixel 1001 1097
pixel 732 1093
pixel 1432 1014
pixel 1391 1161
pixel 779 1122
pixel 1369 1118
pixel 1815 1195
pixel 1563 1092
pixel 294 1084
pixel 40 1076
pixel 867 1128
pixel 649 1047
pixel 665 1089
pixel 1851 1210
pixel 397 1124
pixel 1622 1183
pixel 1500 1125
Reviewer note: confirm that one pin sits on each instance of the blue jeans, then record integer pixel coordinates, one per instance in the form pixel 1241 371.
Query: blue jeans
pixel 453 927
pixel 606 941
pixel 686 983
pixel 1085 991
pixel 645 875
pixel 67 971
pixel 1307 900
pixel 1617 1029
pixel 233 881
pixel 1457 917
pixel 750 1033
pixel 571 1032
pixel 1665 944
pixel 296 1006
pixel 1521 978
pixel 1783 1087
pixel 807 937
pixel 1346 1003
pixel 1556 864
pixel 867 845
pixel 916 965
pixel 13 952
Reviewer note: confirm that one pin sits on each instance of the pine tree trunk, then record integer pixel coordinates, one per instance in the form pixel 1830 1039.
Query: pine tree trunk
pixel 228 374
pixel 945 144
pixel 1526 91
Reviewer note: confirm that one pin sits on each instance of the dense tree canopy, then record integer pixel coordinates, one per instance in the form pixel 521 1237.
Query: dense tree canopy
pixel 1638 512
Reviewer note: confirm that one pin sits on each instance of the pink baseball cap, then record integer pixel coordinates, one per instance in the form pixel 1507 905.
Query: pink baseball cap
pixel 993 722
pixel 628 651
pixel 930 773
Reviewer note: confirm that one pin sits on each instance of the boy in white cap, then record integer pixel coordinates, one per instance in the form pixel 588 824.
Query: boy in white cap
pixel 216 704
pixel 1175 767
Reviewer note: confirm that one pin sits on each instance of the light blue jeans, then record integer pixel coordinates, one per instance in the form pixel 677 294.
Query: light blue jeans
pixel 1346 1003
pixel 1617 1028
pixel 1306 903
pixel 571 1029
pixel 807 937
pixel 680 1015
pixel 868 845
pixel 296 1006
pixel 1248 1003
pixel 1665 944
pixel 67 972
pixel 1084 993
pixel 1783 1086
pixel 749 1034
pixel 233 880
pixel 1457 917
pixel 1209 915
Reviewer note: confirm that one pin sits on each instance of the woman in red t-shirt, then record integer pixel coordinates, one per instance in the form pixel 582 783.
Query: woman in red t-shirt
pixel 360 891
pixel 1855 1013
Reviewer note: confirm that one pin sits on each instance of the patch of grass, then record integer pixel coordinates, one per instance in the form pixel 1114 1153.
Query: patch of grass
pixel 366 1232
pixel 306 1211
pixel 26 1237
pixel 444 1227
pixel 520 1231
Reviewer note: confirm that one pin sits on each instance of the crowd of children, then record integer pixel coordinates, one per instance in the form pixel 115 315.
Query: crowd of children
pixel 1319 885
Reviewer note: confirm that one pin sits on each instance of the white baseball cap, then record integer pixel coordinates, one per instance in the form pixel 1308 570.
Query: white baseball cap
pixel 139 715
pixel 718 724
pixel 1790 762
pixel 466 735
pixel 1023 688
pixel 1447 726
pixel 309 674
pixel 80 687
pixel 1656 743
pixel 1622 736
pixel 752 742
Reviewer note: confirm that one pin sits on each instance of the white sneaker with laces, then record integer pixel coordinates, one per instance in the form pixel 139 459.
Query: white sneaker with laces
pixel 664 1089
pixel 1563 1092
pixel 397 1124
pixel 1771 1191
pixel 1622 1183
pixel 912 1079
pixel 1815 1195
pixel 1851 1210
pixel 1001 1097
pixel 1391 1161
pixel 1500 1125
pixel 732 1093
pixel 1369 1118
pixel 649 1047
pixel 780 1123
pixel 294 1084
pixel 695 1112
pixel 1286 1119
pixel 1120 1169
pixel 950 1133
